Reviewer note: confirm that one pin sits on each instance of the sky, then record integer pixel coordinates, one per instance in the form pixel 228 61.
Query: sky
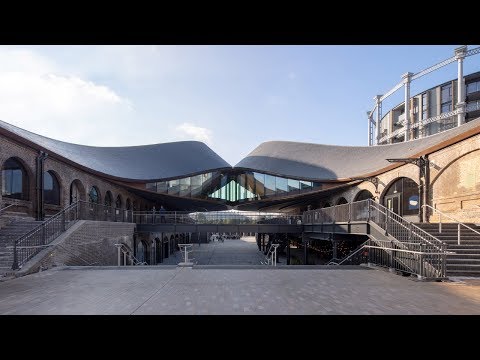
pixel 231 97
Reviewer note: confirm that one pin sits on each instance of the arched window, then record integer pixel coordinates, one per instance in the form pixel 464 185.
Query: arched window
pixel 327 205
pixel 93 195
pixel 402 197
pixel 128 204
pixel 364 195
pixel 14 180
pixel 341 201
pixel 108 199
pixel 118 202
pixel 51 189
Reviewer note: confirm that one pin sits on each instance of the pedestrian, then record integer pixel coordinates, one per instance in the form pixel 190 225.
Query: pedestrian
pixel 162 214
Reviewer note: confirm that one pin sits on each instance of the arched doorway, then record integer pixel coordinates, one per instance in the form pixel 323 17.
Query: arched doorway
pixel 77 191
pixel 141 251
pixel 51 188
pixel 402 198
pixel 363 195
pixel 94 195
pixel 118 202
pixel 108 199
pixel 14 180
pixel 165 247
pixel 158 251
pixel 341 201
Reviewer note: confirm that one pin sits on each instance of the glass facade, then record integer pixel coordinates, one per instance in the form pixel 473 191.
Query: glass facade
pixel 233 187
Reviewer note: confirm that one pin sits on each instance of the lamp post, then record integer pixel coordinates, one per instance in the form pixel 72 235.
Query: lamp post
pixel 423 163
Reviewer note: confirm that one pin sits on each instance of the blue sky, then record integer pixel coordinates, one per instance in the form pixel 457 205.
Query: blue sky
pixel 231 97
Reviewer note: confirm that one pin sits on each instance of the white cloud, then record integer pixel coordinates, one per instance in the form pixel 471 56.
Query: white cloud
pixel 36 95
pixel 188 131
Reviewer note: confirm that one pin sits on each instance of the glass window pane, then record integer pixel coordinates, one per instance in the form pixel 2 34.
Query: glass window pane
pixel 250 183
pixel 282 185
pixel 162 186
pixel 242 191
pixel 446 107
pixel 185 187
pixel 151 186
pixel 259 184
pixel 196 180
pixel 305 185
pixel 47 181
pixel 293 185
pixel 269 185
pixel 173 187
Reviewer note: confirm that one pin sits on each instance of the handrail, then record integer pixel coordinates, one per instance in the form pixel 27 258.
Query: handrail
pixel 354 252
pixel 6 207
pixel 451 218
pixel 213 217
pixel 271 257
pixel 393 255
pixel 409 226
pixel 42 235
pixel 127 252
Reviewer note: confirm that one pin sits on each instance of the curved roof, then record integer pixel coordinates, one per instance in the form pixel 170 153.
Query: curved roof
pixel 331 162
pixel 147 162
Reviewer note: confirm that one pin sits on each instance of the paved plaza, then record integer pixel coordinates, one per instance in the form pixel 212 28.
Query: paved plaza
pixel 213 288
pixel 242 251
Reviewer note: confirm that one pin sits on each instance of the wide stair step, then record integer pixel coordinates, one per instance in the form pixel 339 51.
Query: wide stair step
pixel 465 260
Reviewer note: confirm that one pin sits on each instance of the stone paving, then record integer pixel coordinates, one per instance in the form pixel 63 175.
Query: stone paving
pixel 212 288
pixel 177 290
pixel 242 251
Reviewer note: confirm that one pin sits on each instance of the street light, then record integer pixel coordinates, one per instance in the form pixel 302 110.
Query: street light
pixel 423 163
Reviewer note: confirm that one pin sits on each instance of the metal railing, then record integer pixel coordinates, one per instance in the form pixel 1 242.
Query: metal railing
pixel 127 254
pixel 30 244
pixel 408 236
pixel 352 257
pixel 459 224
pixel 213 217
pixel 6 207
pixel 392 254
pixel 271 257
pixel 99 212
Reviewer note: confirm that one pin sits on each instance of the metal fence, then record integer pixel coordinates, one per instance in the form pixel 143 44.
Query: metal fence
pixel 424 249
pixel 213 217
pixel 393 255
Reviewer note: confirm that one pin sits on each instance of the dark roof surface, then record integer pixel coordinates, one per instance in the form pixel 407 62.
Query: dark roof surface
pixel 147 162
pixel 332 162
pixel 290 159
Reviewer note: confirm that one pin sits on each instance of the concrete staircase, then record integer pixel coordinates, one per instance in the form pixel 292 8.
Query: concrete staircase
pixel 17 227
pixel 466 260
